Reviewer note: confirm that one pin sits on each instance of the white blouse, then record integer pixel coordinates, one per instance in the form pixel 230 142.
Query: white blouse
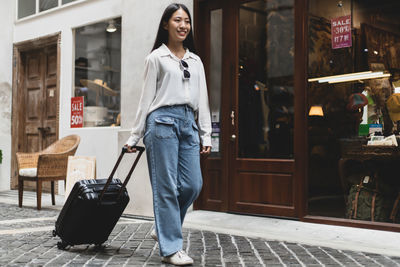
pixel 164 86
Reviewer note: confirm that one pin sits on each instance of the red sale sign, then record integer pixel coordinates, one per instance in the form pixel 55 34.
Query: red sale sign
pixel 341 32
pixel 77 112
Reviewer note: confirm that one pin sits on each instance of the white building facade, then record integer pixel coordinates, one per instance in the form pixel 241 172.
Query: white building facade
pixel 138 25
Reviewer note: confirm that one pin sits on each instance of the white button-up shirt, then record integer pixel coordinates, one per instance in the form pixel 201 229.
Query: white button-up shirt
pixel 164 86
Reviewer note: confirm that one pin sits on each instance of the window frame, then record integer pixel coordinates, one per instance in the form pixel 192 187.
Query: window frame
pixel 59 6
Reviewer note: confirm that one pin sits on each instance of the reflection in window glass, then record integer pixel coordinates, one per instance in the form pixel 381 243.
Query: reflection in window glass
pixel 344 171
pixel 26 8
pixel 47 4
pixel 266 60
pixel 215 78
pixel 67 1
pixel 98 72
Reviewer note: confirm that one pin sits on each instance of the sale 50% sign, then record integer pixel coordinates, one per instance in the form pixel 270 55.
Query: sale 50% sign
pixel 77 112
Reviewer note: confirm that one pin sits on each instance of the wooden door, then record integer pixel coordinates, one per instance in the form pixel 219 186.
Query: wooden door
pixel 209 18
pixel 253 170
pixel 39 101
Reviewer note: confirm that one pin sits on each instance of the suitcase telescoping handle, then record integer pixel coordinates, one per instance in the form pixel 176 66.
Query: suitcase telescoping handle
pixel 124 150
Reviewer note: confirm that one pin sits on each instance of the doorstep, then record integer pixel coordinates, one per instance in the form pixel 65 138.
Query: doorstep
pixel 337 237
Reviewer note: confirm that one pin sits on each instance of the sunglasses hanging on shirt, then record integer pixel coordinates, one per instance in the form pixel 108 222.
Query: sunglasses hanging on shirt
pixel 185 67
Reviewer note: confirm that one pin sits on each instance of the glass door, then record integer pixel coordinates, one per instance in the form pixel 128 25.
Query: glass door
pixel 263 163
pixel 248 51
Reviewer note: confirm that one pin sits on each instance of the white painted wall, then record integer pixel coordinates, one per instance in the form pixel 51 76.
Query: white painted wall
pixel 140 21
pixel 6 51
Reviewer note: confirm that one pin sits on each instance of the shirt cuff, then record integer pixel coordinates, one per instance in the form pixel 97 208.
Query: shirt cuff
pixel 206 141
pixel 132 141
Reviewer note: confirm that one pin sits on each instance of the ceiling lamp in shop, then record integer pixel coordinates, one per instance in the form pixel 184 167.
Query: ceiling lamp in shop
pixel 316 111
pixel 111 26
pixel 356 76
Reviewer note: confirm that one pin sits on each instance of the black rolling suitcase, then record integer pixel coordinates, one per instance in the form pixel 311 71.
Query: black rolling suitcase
pixel 93 208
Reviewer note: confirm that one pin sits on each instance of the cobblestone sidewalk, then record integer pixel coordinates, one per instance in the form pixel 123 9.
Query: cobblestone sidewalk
pixel 26 240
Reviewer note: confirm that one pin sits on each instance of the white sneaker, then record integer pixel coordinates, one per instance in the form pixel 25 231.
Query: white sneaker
pixel 178 258
pixel 153 235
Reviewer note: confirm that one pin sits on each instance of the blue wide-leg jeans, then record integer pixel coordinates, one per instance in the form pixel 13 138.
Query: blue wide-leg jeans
pixel 173 154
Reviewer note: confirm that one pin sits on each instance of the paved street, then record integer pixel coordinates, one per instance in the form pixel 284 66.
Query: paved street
pixel 26 240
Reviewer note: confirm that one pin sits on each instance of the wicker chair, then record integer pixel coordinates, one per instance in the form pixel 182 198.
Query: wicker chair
pixel 49 164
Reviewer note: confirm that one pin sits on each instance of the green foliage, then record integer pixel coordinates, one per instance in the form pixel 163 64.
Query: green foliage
pixel 1 156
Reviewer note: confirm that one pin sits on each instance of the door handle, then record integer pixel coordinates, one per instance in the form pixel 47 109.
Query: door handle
pixel 233 137
pixel 44 130
pixel 47 129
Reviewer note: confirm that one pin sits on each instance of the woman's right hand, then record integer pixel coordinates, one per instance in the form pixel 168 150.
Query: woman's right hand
pixel 130 149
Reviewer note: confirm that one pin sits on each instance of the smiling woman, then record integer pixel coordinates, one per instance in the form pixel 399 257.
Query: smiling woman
pixel 174 93
pixel 178 28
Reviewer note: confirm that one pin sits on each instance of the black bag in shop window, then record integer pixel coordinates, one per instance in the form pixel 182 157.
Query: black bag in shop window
pixel 367 200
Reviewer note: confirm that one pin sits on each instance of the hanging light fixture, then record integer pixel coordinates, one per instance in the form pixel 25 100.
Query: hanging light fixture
pixel 351 77
pixel 111 26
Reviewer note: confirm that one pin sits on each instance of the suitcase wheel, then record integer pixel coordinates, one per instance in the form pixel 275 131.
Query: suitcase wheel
pixel 62 245
pixel 54 233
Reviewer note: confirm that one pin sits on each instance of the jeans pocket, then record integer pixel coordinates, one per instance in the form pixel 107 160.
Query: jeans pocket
pixel 164 127
pixel 196 133
pixel 194 124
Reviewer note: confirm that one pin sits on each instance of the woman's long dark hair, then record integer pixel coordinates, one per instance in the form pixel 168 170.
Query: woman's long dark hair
pixel 162 34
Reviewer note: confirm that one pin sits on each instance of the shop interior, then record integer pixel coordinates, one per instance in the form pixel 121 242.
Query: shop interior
pixel 98 72
pixel 354 109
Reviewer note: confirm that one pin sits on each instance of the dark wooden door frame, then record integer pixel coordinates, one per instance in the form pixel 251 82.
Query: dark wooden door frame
pixel 300 114
pixel 292 211
pixel 204 43
pixel 230 23
pixel 18 92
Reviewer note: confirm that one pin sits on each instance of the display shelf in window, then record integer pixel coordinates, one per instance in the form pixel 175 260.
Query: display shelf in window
pixel 97 70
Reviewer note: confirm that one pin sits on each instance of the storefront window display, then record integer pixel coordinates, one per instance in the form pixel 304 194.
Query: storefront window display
pixel 354 109
pixel 98 72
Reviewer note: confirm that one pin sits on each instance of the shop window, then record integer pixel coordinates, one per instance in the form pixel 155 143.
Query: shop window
pixel 98 72
pixel 354 103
